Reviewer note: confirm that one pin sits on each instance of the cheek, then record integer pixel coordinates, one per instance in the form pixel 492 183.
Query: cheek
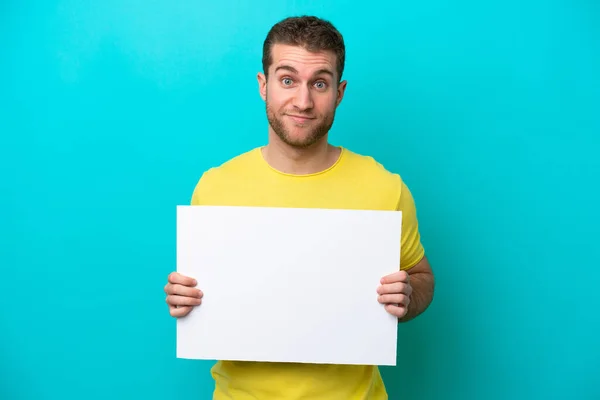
pixel 275 97
pixel 325 105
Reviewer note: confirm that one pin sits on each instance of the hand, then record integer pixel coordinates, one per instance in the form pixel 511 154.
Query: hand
pixel 182 295
pixel 395 292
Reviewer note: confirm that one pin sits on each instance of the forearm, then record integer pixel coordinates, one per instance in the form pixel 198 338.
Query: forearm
pixel 422 294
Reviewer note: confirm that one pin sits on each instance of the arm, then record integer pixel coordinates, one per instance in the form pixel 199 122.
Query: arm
pixel 408 293
pixel 422 283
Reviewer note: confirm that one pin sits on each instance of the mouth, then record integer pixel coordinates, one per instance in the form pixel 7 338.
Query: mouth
pixel 299 119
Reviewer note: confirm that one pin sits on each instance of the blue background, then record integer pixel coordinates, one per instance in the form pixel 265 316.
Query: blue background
pixel 110 111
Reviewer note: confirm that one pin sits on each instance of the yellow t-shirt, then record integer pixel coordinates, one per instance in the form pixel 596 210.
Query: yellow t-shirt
pixel 353 182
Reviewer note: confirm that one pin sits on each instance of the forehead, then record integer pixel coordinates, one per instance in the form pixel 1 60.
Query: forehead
pixel 302 60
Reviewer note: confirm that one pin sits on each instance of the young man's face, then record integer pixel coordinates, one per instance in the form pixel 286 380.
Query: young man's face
pixel 301 94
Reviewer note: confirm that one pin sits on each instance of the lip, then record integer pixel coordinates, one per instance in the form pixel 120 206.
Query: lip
pixel 299 119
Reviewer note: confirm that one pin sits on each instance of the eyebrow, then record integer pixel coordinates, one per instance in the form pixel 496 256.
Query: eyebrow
pixel 295 71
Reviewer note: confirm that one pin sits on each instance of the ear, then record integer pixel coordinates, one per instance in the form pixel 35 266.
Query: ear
pixel 340 92
pixel 262 85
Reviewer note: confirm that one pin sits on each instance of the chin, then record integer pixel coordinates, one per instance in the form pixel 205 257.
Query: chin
pixel 300 136
pixel 302 141
pixel 295 135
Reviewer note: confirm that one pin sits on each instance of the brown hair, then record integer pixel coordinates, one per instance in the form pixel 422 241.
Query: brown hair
pixel 312 33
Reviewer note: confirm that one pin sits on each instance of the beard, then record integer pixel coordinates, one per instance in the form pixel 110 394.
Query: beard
pixel 313 135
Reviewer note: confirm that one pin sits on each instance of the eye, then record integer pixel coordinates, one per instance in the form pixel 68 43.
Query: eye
pixel 321 85
pixel 286 81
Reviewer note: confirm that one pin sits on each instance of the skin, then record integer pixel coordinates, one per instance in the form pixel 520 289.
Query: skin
pixel 301 95
pixel 300 84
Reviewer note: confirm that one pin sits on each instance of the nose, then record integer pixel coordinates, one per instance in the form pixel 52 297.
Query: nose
pixel 303 98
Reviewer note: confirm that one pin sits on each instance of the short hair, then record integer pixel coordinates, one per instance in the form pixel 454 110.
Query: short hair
pixel 312 33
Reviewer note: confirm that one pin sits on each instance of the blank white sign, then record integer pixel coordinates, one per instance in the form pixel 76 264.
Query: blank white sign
pixel 288 285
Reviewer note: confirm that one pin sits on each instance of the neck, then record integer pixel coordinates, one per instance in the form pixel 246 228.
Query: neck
pixel 299 161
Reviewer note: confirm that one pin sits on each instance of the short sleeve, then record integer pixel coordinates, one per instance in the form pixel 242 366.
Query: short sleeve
pixel 199 192
pixel 195 200
pixel 411 248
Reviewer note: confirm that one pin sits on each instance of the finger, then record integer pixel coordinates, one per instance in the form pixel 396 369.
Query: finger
pixel 397 299
pixel 174 300
pixel 398 276
pixel 183 290
pixel 396 311
pixel 179 312
pixel 398 287
pixel 177 278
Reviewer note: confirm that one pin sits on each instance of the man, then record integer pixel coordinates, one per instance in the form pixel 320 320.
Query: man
pixel 303 62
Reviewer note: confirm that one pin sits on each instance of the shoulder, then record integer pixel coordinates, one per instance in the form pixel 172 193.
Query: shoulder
pixel 227 173
pixel 369 171
pixel 235 167
pixel 368 164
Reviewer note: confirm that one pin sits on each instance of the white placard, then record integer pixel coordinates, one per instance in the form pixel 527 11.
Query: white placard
pixel 288 284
